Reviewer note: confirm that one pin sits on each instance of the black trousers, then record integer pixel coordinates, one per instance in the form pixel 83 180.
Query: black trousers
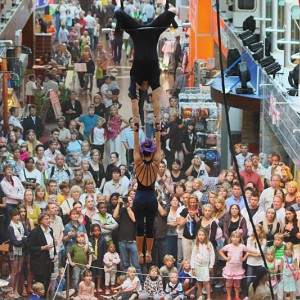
pixel 45 277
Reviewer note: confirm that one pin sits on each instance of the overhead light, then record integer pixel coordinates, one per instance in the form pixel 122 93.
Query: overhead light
pixel 249 40
pixel 245 77
pixel 273 68
pixel 255 46
pixel 266 61
pixel 259 54
pixel 294 81
pixel 245 34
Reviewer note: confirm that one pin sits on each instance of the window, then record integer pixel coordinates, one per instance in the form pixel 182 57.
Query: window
pixel 247 4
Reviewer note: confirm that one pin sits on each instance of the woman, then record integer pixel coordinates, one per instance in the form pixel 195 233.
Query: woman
pixel 46 58
pixel 290 197
pixel 62 9
pixel 179 84
pixel 198 188
pixel 258 290
pixel 270 226
pixel 72 228
pixel 17 163
pixel 90 209
pixel 208 223
pixel 12 188
pixel 114 129
pixel 85 165
pixel 28 223
pixel 149 117
pixel 229 177
pixel 67 205
pixel 172 235
pixel 290 230
pixel 17 234
pixel 11 141
pixel 147 157
pixel 96 169
pixel 88 189
pixel 33 210
pixel 74 145
pixel 176 173
pixel 234 221
pixel 114 162
pixel 113 202
pixel 189 218
pixel 32 142
pixel 30 176
pixel 83 218
pixel 42 251
pixel 39 199
pixel 51 29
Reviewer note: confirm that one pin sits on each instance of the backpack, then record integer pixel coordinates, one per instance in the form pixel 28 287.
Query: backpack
pixel 53 169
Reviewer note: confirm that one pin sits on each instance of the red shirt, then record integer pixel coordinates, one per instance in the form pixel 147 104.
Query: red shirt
pixel 254 177
pixel 83 24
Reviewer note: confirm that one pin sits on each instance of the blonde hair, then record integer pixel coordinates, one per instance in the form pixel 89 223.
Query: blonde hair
pixel 192 196
pixel 289 246
pixel 236 233
pixel 131 270
pixel 293 184
pixel 219 213
pixel 261 236
pixel 265 224
pixel 168 257
pixel 200 183
pixel 37 286
pixel 271 251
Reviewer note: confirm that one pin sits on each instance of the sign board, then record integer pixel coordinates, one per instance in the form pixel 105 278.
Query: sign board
pixel 80 67
pixel 55 104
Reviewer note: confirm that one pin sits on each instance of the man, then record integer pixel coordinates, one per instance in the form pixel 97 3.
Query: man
pixel 164 178
pixel 54 134
pixel 60 172
pixel 107 95
pixel 236 197
pixel 114 185
pixel 145 70
pixel 90 70
pixel 278 205
pixel 73 125
pixel 257 213
pixel 72 108
pixel 90 26
pixel 88 121
pixel 75 52
pixel 276 168
pixel 85 150
pixel 266 197
pixel 33 122
pixel 29 176
pixel 123 178
pixel 78 178
pixel 128 141
pixel 49 84
pixel 13 118
pixel 124 215
pixel 18 131
pixel 249 175
pixel 52 152
pixel 148 13
pixel 52 191
pixel 177 54
pixel 243 155
pixel 258 167
pixel 64 133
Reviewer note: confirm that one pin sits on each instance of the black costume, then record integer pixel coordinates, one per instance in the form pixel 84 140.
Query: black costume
pixel 145 65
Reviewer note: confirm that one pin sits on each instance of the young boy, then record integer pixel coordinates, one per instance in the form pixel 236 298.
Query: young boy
pixel 189 284
pixel 97 136
pixel 173 288
pixel 99 74
pixel 38 291
pixel 168 267
pixel 79 259
pixel 88 121
pixel 60 285
pixel 8 293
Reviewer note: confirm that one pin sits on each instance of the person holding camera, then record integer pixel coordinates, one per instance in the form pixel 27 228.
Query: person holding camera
pixel 124 215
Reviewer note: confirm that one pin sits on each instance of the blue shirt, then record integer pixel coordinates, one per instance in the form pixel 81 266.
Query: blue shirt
pixel 70 227
pixel 231 200
pixel 61 286
pixel 89 122
pixel 128 136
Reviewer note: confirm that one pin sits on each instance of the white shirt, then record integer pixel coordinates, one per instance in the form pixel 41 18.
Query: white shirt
pixel 98 136
pixel 30 87
pixel 105 90
pixel 241 160
pixel 90 22
pixel 14 121
pixel 36 174
pixel 49 240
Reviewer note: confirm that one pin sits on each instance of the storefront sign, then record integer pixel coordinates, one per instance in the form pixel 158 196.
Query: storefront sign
pixel 55 104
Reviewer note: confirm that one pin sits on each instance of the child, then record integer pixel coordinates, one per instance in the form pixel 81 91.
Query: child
pixel 24 152
pixel 188 283
pixel 86 289
pixel 38 291
pixel 7 293
pixel 167 268
pixel 60 285
pixel 97 136
pixel 289 271
pixel 202 262
pixel 173 288
pixel 153 285
pixel 77 255
pixel 98 245
pixel 165 128
pixel 233 271
pixel 99 74
pixel 75 160
pixel 111 260
pixel 278 247
pixel 255 261
pixel 273 268
pixel 130 288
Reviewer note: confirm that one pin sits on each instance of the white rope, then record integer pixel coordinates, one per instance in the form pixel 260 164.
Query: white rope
pixel 55 294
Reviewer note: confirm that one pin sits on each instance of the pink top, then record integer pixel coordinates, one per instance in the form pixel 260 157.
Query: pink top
pixel 86 291
pixel 115 126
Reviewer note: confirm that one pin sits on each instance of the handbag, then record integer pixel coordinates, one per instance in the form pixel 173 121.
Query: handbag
pixel 219 233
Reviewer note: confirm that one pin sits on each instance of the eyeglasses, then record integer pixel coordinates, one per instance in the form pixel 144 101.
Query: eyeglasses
pixel 113 157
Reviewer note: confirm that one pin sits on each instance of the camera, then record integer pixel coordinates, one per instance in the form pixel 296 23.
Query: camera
pixel 125 200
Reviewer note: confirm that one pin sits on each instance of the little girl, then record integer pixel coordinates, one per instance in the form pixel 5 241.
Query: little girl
pixel 131 286
pixel 273 268
pixel 111 260
pixel 255 261
pixel 289 271
pixel 86 290
pixel 234 257
pixel 153 285
pixel 202 261
pixel 24 152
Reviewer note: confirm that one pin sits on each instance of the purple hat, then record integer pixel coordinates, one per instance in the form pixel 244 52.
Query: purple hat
pixel 147 145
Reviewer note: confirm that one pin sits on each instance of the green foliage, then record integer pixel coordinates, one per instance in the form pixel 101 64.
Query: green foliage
pixel 40 101
pixel 65 94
